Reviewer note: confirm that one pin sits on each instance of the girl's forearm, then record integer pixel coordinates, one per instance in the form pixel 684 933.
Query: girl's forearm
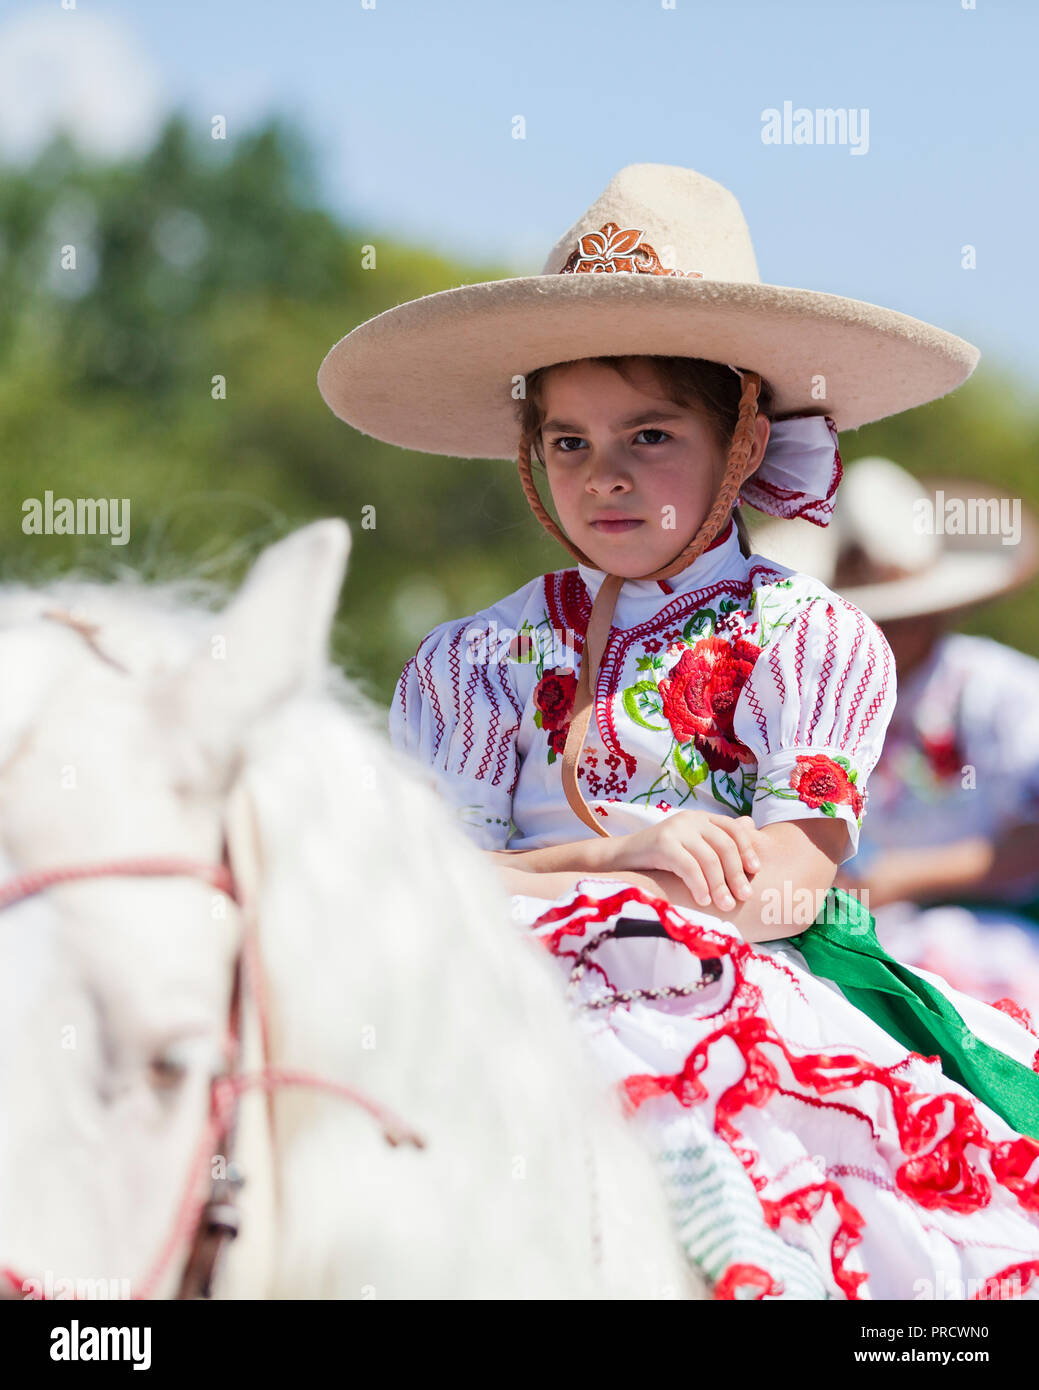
pixel 754 919
pixel 551 884
pixel 588 855
pixel 796 855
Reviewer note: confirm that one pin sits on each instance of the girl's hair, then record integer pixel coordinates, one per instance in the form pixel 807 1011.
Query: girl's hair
pixel 709 387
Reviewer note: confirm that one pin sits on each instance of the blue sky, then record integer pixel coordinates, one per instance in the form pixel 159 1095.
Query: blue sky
pixel 410 106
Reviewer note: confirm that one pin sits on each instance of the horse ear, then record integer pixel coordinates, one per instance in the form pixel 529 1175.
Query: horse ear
pixel 271 641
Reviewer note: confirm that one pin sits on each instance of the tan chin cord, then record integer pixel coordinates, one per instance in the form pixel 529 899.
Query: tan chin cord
pixel 737 470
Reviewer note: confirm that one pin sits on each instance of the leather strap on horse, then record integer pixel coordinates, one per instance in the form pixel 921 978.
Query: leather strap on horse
pixel 220 1218
pixel 737 470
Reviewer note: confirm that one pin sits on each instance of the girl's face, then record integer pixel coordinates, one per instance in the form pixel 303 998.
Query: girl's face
pixel 618 448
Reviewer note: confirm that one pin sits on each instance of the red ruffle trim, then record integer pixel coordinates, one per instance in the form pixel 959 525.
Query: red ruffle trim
pixel 1010 1282
pixel 745 1276
pixel 935 1130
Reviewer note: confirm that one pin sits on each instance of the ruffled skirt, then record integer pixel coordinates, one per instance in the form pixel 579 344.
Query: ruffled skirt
pixel 805 1151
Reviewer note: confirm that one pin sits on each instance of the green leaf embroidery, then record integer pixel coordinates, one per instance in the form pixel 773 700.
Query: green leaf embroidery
pixel 694 772
pixel 771 790
pixel 828 808
pixel 735 800
pixel 631 696
pixel 701 624
pixel 537 718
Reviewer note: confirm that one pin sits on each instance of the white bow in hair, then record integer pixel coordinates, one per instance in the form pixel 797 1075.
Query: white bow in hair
pixel 799 474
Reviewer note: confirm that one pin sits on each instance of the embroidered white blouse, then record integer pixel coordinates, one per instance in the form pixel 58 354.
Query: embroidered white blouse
pixel 737 686
pixel 962 753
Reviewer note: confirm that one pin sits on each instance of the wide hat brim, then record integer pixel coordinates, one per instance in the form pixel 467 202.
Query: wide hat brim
pixel 968 570
pixel 438 374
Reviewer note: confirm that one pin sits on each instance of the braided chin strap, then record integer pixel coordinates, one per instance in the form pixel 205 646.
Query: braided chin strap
pixel 737 470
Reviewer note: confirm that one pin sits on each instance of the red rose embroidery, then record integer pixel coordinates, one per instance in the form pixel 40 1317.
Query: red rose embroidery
pixel 554 697
pixel 700 695
pixel 557 740
pixel 818 779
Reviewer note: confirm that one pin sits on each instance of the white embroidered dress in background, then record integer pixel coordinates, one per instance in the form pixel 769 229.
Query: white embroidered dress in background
pixel 962 760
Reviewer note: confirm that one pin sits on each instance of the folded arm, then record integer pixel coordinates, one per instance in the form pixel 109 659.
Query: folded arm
pixel 798 863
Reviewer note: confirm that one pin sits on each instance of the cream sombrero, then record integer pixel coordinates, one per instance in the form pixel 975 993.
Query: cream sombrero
pixel 661 264
pixel 900 546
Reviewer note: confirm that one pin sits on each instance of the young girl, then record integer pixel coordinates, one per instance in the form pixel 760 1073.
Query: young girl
pixel 829 1123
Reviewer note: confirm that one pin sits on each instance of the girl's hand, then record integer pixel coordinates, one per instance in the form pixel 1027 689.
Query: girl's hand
pixel 713 855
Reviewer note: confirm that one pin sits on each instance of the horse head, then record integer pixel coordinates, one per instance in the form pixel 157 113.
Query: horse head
pixel 177 784
pixel 123 722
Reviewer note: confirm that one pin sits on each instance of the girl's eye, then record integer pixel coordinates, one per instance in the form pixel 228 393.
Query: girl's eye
pixel 567 439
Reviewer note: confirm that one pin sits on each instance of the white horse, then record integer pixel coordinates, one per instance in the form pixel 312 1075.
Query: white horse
pixel 135 725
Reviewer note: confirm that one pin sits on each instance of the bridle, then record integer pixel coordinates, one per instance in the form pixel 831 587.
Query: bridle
pixel 207 1225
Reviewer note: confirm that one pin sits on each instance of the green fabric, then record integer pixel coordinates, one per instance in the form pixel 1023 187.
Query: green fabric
pixel 841 945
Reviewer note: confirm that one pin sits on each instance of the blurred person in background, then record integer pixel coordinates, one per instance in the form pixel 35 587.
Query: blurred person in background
pixel 949 854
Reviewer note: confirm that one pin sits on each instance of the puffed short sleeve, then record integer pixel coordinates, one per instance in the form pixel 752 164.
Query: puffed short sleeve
pixel 455 712
pixel 813 711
